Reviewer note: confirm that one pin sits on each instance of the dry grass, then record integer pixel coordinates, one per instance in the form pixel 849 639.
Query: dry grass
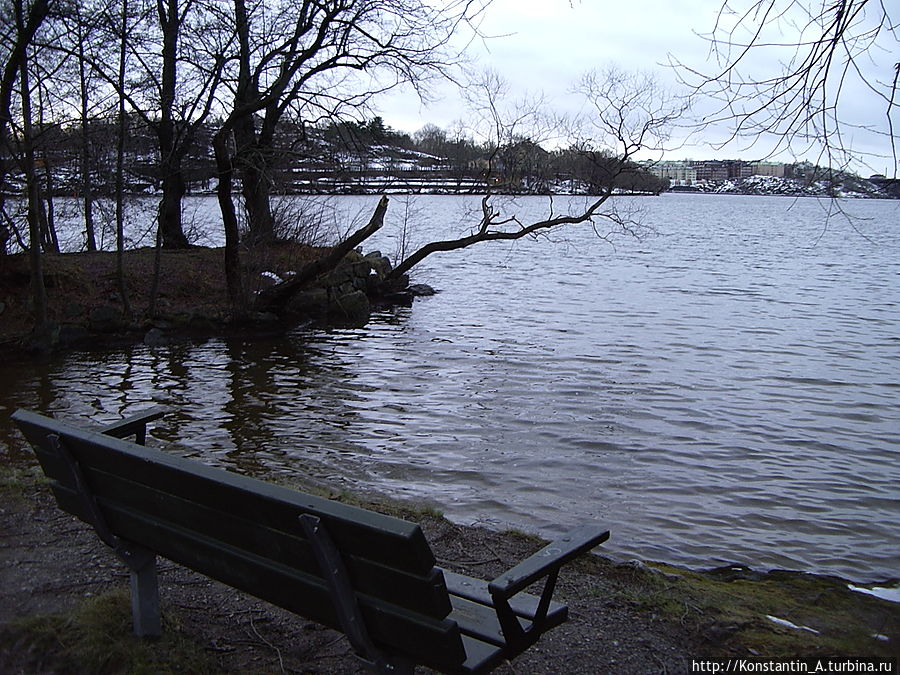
pixel 192 285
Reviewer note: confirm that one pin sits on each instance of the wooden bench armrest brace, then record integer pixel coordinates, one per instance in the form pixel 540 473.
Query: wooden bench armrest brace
pixel 135 425
pixel 546 563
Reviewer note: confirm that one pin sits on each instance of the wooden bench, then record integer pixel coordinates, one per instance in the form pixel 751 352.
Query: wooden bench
pixel 368 575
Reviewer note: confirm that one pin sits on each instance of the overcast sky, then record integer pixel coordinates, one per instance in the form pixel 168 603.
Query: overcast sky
pixel 546 45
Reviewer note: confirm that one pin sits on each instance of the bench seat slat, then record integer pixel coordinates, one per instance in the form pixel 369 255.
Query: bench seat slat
pixel 479 621
pixel 425 593
pixel 481 657
pixel 385 539
pixel 523 604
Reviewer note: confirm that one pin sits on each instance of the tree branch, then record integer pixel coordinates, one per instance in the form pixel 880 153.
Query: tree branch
pixel 276 295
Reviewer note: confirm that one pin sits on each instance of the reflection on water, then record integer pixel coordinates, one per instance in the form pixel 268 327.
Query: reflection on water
pixel 723 391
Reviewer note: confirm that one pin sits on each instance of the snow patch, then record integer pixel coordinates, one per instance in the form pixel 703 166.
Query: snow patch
pixel 788 624
pixel 889 593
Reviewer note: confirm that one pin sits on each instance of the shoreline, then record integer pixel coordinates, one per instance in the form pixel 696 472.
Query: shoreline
pixel 628 617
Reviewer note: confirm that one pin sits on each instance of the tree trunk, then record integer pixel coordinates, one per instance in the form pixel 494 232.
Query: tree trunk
pixel 170 224
pixel 87 191
pixel 48 213
pixel 252 163
pixel 274 297
pixel 255 190
pixel 120 170
pixel 249 159
pixel 38 289
pixel 225 172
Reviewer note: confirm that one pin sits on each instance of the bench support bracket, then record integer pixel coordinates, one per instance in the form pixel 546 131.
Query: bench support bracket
pixel 352 623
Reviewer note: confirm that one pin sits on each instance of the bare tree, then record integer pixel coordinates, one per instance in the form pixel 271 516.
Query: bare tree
pixel 21 24
pixel 122 119
pixel 811 75
pixel 319 58
pixel 304 57
pixel 624 114
pixel 188 86
pixel 81 32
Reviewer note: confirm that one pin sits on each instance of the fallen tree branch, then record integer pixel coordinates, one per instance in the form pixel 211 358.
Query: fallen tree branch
pixel 277 295
pixel 485 233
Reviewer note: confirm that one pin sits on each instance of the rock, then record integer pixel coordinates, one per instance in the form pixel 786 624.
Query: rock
pixel 381 265
pixel 72 333
pixel 106 319
pixel 398 285
pixel 421 290
pixel 312 301
pixel 155 337
pixel 2 307
pixel 72 312
pixel 402 299
pixel 263 317
pixel 199 323
pixel 352 308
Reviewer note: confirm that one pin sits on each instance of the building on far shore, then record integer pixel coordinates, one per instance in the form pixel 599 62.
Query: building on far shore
pixel 768 169
pixel 691 172
pixel 678 173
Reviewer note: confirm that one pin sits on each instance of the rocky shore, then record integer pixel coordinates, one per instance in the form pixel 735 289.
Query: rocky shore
pixel 86 308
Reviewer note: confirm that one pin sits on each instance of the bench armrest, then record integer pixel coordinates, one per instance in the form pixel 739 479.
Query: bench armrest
pixel 134 424
pixel 548 560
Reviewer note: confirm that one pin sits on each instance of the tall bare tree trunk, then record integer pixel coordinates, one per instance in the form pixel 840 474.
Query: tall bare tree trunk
pixel 250 163
pixel 38 289
pixel 87 189
pixel 120 169
pixel 253 165
pixel 171 152
pixel 225 170
pixel 26 27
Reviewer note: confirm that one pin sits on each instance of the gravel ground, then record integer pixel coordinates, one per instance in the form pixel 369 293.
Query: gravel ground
pixel 51 561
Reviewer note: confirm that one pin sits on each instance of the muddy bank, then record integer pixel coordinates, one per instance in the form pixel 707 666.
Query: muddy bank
pixel 190 300
pixel 63 594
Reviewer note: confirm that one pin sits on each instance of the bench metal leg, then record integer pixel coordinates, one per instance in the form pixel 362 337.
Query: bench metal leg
pixel 145 600
pixel 141 561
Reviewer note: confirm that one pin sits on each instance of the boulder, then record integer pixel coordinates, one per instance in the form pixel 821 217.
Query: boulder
pixel 421 290
pixel 72 334
pixel 380 264
pixel 309 301
pixel 396 285
pixel 351 308
pixel 106 319
pixel 155 337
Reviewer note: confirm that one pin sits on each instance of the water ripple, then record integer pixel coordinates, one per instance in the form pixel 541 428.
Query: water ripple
pixel 724 391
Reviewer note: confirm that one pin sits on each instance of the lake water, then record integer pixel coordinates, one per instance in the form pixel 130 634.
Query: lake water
pixel 725 389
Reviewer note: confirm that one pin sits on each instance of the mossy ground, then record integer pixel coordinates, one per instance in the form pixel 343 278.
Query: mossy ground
pixel 192 294
pixel 95 637
pixel 731 610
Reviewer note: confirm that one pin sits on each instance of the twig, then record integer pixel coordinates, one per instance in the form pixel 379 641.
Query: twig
pixel 277 651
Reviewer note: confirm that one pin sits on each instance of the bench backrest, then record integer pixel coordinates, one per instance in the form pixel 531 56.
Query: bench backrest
pixel 247 534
